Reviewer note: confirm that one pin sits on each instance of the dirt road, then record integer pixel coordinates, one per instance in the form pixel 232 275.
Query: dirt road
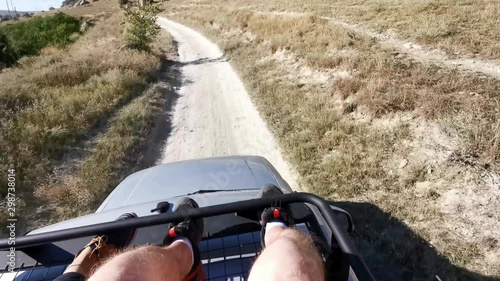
pixel 214 115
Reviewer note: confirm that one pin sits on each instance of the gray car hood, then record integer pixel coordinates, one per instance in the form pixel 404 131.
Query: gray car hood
pixel 181 178
pixel 240 178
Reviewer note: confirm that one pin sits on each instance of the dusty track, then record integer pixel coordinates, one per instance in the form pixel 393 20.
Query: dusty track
pixel 413 50
pixel 214 115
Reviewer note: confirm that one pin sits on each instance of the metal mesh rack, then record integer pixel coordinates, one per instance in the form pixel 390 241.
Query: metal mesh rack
pixel 225 258
pixel 37 272
pixel 230 257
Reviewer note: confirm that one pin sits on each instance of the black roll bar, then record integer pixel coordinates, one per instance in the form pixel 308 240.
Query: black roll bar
pixel 344 241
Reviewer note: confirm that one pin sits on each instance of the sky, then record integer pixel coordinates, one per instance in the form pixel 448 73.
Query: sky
pixel 31 5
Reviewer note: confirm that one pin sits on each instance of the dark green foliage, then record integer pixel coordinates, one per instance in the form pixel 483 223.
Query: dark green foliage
pixel 7 54
pixel 27 38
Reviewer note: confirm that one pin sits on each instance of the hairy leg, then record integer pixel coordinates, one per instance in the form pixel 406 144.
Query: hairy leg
pixel 83 264
pixel 289 255
pixel 150 263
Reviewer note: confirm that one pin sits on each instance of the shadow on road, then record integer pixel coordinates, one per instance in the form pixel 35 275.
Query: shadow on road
pixel 394 252
pixel 206 61
pixel 170 76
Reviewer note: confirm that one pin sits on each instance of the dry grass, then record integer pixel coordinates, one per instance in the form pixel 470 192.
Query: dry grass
pixel 52 104
pixel 380 81
pixel 461 28
pixel 115 154
pixel 347 112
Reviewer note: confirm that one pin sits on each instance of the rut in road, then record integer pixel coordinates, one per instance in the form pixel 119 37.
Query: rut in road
pixel 214 115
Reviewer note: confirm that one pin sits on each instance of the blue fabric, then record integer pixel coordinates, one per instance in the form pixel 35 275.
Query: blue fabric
pixel 70 276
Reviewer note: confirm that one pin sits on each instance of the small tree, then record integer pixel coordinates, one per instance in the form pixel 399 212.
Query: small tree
pixel 141 26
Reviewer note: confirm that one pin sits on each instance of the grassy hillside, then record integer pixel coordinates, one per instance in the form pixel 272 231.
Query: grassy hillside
pixel 462 27
pixel 71 115
pixel 411 148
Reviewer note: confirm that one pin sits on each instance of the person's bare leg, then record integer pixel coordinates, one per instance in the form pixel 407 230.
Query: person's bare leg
pixel 180 260
pixel 83 263
pixel 99 249
pixel 289 255
pixel 150 263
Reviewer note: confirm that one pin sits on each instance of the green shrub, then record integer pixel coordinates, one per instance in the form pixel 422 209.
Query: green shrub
pixel 141 26
pixel 123 2
pixel 27 38
pixel 7 55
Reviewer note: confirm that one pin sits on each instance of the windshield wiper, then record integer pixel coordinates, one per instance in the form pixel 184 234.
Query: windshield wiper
pixel 201 191
pixel 206 191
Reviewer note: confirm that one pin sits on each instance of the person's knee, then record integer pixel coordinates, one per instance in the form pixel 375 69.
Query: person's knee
pixel 301 240
pixel 294 234
pixel 293 250
pixel 124 266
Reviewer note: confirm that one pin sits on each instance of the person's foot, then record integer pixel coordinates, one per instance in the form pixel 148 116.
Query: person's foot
pixel 278 214
pixel 192 229
pixel 105 244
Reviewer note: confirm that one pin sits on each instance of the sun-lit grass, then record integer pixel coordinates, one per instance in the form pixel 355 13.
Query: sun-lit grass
pixel 92 95
pixel 111 158
pixel 53 101
pixel 381 82
pixel 348 134
pixel 460 27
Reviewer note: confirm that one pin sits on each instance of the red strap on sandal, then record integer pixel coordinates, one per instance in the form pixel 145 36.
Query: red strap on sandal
pixel 198 272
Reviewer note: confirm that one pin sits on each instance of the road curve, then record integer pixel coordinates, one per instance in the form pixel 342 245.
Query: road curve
pixel 214 115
